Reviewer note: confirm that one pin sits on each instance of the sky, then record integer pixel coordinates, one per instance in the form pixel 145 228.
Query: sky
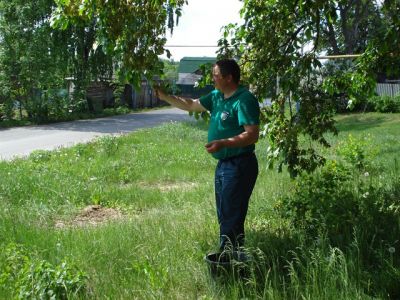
pixel 201 24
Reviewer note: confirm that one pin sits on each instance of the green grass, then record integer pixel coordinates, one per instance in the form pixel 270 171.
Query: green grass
pixel 161 180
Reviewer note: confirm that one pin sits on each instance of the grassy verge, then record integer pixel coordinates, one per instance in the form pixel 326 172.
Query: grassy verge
pixel 161 183
pixel 107 112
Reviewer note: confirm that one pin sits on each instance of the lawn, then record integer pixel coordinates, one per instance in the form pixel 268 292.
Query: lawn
pixel 152 219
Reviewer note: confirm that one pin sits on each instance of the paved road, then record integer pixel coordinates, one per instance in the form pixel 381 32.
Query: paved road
pixel 21 141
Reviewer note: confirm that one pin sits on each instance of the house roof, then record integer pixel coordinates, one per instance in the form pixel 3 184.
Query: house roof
pixel 192 64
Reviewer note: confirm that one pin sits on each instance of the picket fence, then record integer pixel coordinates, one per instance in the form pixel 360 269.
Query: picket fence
pixel 389 89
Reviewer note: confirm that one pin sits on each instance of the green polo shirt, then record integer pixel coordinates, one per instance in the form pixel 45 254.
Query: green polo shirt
pixel 228 116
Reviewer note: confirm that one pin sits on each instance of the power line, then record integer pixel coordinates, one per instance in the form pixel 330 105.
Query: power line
pixel 191 46
pixel 214 46
pixel 339 56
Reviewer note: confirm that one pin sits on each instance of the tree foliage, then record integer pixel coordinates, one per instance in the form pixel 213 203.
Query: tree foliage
pixel 131 32
pixel 35 58
pixel 280 42
pixel 44 41
pixel 350 25
pixel 29 51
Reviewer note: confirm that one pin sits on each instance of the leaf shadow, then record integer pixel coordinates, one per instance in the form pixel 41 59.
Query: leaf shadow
pixel 359 123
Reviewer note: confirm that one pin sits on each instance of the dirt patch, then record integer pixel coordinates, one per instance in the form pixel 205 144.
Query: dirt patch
pixel 169 185
pixel 91 215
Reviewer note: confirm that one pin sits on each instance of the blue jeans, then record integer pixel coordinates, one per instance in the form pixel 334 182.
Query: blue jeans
pixel 234 182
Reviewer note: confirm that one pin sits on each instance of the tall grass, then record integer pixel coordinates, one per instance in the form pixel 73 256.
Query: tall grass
pixel 161 180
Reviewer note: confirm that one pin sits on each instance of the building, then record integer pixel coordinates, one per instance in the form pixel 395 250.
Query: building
pixel 102 94
pixel 189 73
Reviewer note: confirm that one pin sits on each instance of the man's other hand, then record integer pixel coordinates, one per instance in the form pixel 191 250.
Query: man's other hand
pixel 214 146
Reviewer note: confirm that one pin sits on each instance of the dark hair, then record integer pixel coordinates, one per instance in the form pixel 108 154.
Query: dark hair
pixel 229 67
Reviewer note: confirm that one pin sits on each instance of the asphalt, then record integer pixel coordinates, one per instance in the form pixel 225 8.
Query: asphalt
pixel 21 141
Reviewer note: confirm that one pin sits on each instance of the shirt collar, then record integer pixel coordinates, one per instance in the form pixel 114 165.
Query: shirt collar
pixel 238 91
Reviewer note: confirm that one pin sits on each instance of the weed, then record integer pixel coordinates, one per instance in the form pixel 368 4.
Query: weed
pixel 31 278
pixel 358 152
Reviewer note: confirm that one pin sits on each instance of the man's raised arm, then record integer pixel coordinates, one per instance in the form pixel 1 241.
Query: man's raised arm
pixel 187 104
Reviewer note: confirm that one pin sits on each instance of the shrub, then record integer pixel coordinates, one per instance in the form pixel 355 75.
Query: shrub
pixel 120 110
pixel 358 152
pixel 384 104
pixel 356 213
pixel 337 201
pixel 328 201
pixel 6 110
pixel 321 202
pixel 31 278
pixel 2 112
pixel 50 105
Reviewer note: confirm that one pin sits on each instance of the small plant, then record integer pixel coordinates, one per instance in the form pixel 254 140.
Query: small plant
pixel 31 278
pixel 108 144
pixel 357 152
pixel 40 156
pixel 155 276
pixel 384 104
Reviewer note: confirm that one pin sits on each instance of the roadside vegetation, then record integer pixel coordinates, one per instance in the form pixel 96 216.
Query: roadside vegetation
pixel 133 216
pixel 16 121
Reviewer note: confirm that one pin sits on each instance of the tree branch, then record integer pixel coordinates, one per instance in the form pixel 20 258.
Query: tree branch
pixel 292 37
pixel 331 36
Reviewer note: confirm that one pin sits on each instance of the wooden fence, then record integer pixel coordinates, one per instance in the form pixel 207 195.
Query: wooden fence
pixel 143 98
pixel 101 94
pixel 389 89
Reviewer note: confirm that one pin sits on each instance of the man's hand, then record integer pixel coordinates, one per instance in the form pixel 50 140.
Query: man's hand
pixel 184 103
pixel 215 146
pixel 248 137
pixel 160 93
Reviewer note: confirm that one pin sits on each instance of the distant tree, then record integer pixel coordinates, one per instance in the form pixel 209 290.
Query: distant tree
pixel 32 56
pixel 87 61
pixel 35 58
pixel 171 70
pixel 347 26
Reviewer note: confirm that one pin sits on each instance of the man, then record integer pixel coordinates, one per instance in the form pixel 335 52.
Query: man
pixel 232 134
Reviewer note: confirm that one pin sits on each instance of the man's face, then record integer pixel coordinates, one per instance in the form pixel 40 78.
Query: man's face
pixel 219 81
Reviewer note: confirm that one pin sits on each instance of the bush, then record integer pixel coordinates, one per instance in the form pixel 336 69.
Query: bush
pixel 337 201
pixel 321 202
pixel 357 213
pixel 329 200
pixel 342 196
pixel 31 278
pixel 384 104
pixel 6 110
pixel 48 105
pixel 120 110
